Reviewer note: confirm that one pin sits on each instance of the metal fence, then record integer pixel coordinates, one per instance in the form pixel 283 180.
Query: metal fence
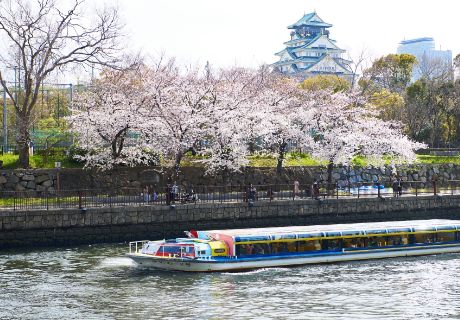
pixel 93 198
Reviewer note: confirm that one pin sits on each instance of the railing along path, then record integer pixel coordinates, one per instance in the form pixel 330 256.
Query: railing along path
pixel 172 195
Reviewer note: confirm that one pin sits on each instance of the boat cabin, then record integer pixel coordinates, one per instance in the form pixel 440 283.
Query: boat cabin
pixel 330 238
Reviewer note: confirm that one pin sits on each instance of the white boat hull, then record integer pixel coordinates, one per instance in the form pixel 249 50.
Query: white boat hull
pixel 198 265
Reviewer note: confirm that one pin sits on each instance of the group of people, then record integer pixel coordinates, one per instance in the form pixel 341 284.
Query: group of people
pixel 149 194
pixel 173 194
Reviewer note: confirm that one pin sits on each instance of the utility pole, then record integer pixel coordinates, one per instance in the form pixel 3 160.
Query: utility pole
pixel 5 120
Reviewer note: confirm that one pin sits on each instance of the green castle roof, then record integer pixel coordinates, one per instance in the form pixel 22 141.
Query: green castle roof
pixel 311 20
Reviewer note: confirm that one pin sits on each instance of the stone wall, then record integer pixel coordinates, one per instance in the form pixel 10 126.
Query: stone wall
pixel 70 227
pixel 28 181
pixel 422 172
pixel 47 181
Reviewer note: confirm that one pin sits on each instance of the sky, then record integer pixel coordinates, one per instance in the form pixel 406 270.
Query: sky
pixel 249 32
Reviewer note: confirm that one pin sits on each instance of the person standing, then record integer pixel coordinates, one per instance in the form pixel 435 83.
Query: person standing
pixel 400 186
pixel 296 189
pixel 145 194
pixel 394 186
pixel 315 190
pixel 174 191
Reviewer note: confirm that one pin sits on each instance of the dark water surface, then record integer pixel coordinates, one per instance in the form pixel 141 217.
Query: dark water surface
pixel 97 282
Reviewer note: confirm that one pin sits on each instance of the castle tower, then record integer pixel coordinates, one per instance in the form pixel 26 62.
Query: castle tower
pixel 311 52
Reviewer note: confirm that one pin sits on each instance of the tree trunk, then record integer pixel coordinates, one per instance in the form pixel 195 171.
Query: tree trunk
pixel 281 154
pixel 23 142
pixel 330 167
pixel 177 161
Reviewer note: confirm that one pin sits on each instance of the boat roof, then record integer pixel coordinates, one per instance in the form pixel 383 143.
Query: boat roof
pixel 368 226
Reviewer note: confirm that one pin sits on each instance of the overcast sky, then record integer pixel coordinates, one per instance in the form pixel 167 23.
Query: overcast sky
pixel 249 32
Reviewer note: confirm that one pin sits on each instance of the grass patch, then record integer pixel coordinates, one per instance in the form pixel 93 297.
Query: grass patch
pixel 11 161
pixel 292 160
pixel 437 159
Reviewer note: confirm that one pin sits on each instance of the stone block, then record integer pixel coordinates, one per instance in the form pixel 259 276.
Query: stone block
pixel 12 179
pixel 47 183
pixel 41 178
pixel 28 177
pixel 30 185
pixel 3 179
pixel 19 187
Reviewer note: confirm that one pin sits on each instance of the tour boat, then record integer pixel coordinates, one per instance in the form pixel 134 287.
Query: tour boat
pixel 242 249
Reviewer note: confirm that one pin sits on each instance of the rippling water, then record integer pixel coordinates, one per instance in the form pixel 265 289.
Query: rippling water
pixel 97 282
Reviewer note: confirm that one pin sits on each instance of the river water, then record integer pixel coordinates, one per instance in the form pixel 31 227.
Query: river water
pixel 97 282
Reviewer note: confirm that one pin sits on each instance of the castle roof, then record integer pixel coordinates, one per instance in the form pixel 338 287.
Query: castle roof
pixel 310 20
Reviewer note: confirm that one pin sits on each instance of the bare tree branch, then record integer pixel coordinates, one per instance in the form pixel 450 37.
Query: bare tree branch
pixel 43 36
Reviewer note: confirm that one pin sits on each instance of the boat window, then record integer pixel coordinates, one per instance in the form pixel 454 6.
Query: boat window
pixel 261 248
pixel 378 231
pixel 445 228
pixel 244 249
pixel 396 240
pixel 310 235
pixel 333 234
pixel 251 238
pixel 445 236
pixel 421 229
pixel 252 249
pixel 309 245
pixel 283 247
pixel 374 242
pixel 354 243
pixel 399 230
pixel 332 244
pixel 352 233
pixel 424 238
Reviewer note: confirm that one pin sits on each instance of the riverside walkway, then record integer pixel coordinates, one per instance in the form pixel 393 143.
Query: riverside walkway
pixel 84 199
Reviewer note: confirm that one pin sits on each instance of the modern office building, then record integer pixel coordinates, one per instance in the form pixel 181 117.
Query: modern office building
pixel 311 52
pixel 425 52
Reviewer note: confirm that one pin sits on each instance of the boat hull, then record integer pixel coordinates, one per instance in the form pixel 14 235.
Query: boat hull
pixel 235 264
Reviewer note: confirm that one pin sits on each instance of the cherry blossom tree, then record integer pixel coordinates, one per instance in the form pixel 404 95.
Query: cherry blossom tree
pixel 232 119
pixel 177 109
pixel 106 120
pixel 286 118
pixel 344 127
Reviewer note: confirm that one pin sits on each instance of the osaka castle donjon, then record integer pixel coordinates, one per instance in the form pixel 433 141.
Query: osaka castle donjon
pixel 311 52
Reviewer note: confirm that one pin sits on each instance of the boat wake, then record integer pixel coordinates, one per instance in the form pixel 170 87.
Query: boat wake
pixel 116 263
pixel 255 271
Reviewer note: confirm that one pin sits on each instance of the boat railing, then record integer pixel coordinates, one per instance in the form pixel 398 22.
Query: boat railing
pixel 136 246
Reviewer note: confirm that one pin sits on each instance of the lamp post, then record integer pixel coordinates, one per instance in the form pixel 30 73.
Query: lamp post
pixel 57 165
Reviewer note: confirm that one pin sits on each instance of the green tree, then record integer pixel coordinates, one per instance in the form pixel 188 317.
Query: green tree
pixel 389 104
pixel 392 72
pixel 322 82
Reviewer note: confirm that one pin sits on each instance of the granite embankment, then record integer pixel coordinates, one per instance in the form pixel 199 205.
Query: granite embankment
pixel 36 182
pixel 118 224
